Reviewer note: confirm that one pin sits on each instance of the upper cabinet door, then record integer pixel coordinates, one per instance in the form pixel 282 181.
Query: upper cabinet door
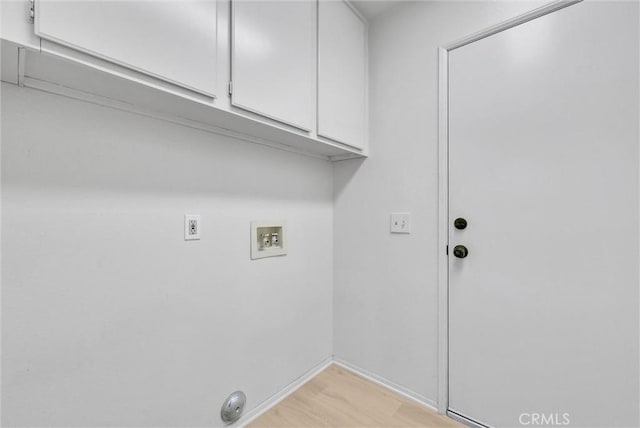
pixel 342 74
pixel 171 40
pixel 273 59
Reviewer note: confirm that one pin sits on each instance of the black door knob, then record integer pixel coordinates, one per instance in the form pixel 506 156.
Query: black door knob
pixel 460 251
pixel 460 223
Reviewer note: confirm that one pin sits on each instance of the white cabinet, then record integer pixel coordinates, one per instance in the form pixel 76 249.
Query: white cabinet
pixel 173 41
pixel 342 74
pixel 15 26
pixel 169 58
pixel 273 59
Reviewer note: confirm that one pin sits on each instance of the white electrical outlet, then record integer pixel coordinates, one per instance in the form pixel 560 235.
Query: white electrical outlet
pixel 400 222
pixel 191 227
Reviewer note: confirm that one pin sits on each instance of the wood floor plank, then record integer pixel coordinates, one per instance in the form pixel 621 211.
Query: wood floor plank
pixel 339 398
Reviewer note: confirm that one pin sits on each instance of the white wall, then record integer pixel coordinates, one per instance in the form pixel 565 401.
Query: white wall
pixel 109 318
pixel 385 286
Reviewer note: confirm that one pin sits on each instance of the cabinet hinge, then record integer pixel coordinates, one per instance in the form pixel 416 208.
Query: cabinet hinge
pixel 230 88
pixel 32 11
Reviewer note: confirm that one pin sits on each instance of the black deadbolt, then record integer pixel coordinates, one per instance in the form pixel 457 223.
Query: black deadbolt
pixel 460 223
pixel 460 251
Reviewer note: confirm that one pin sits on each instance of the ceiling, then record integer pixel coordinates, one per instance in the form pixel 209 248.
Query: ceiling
pixel 372 8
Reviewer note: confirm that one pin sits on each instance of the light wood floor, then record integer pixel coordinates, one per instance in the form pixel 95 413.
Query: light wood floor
pixel 339 398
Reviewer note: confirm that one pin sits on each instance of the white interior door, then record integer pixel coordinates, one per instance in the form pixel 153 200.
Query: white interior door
pixel 543 165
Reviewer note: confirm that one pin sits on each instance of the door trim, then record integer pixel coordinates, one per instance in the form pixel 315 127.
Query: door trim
pixel 443 183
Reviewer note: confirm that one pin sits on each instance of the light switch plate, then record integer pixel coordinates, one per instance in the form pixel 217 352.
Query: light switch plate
pixel 191 227
pixel 400 222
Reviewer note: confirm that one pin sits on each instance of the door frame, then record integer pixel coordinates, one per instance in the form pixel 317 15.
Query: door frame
pixel 443 182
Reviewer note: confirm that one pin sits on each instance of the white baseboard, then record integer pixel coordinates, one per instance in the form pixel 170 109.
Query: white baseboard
pixel 398 389
pixel 270 402
pixel 267 404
